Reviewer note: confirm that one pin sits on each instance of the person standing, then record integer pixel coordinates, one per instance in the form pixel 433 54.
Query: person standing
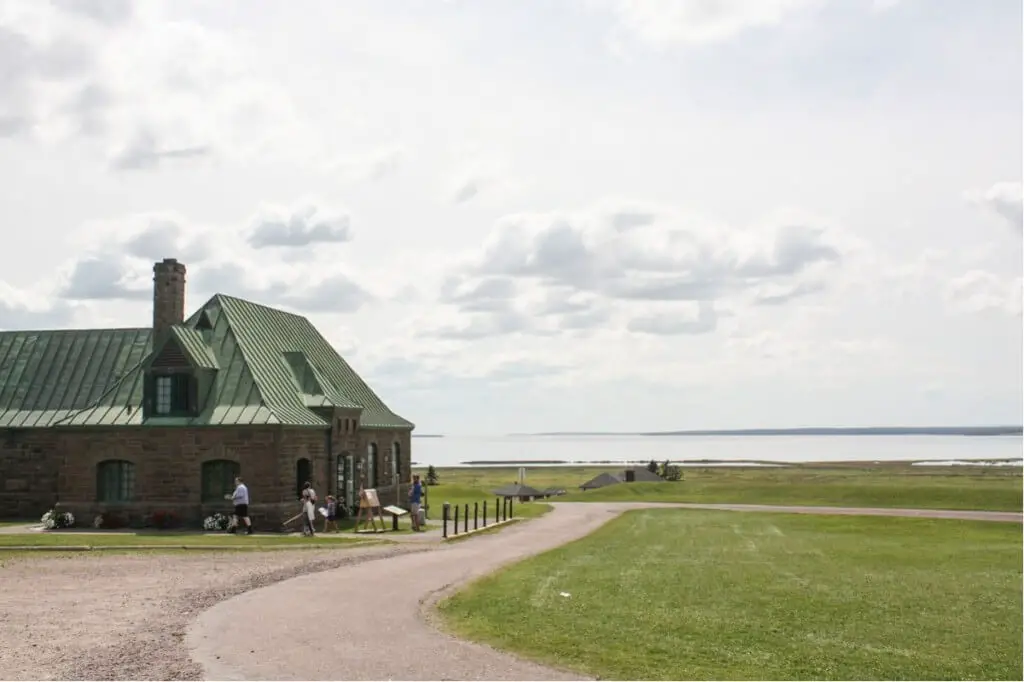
pixel 415 498
pixel 330 519
pixel 240 498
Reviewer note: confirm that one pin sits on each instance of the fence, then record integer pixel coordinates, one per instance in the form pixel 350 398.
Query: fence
pixel 503 508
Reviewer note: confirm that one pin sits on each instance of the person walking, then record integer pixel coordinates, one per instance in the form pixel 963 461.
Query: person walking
pixel 240 498
pixel 415 498
pixel 308 509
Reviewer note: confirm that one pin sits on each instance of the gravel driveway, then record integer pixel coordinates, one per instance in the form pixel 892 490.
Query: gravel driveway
pixel 94 616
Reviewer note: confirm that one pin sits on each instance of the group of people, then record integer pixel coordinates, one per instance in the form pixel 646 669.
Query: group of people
pixel 240 500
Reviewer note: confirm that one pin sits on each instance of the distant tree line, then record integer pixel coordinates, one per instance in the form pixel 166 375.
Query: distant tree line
pixel 670 472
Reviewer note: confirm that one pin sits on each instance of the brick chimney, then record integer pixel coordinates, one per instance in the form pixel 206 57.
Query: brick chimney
pixel 168 295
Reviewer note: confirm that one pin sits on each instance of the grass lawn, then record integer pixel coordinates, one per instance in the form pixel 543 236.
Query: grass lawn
pixel 461 494
pixel 171 539
pixel 672 594
pixel 856 485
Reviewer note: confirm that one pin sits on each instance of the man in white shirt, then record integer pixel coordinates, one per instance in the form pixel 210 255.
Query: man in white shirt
pixel 240 498
pixel 308 509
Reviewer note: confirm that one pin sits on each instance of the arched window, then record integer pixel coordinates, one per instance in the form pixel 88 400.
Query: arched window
pixel 303 472
pixel 219 479
pixel 396 459
pixel 115 481
pixel 371 465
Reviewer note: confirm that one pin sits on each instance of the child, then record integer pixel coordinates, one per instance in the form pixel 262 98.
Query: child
pixel 332 511
pixel 308 510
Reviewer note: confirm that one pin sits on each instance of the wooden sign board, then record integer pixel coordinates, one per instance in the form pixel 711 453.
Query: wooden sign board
pixel 395 511
pixel 368 504
pixel 369 499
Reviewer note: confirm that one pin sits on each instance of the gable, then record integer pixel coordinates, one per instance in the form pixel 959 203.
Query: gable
pixel 265 334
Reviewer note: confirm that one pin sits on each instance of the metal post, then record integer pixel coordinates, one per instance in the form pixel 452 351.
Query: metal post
pixel 444 520
pixel 476 515
pixel 465 519
pixel 511 507
pixel 497 510
pixel 485 513
pixel 426 500
pixel 394 522
pixel 504 509
pixel 455 525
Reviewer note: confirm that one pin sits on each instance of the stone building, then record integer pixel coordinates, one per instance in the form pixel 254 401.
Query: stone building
pixel 140 421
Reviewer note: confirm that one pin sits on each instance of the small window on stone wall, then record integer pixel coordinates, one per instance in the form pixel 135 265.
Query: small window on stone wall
pixel 115 481
pixel 219 479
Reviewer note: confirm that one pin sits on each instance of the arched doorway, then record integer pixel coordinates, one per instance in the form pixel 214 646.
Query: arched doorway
pixel 303 472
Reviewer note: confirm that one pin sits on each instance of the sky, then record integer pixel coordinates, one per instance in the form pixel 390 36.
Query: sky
pixel 542 215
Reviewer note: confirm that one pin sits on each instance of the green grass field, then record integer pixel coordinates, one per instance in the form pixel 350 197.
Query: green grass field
pixel 672 594
pixel 857 485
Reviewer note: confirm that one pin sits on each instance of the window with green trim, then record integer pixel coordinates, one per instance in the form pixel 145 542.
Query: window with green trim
pixel 115 481
pixel 219 479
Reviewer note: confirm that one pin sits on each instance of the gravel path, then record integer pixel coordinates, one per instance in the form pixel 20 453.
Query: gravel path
pixel 372 621
pixel 97 616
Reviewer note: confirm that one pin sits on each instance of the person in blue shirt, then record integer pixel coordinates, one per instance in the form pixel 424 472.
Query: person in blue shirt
pixel 415 498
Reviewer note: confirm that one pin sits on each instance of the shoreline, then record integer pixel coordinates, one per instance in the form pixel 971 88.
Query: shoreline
pixel 733 463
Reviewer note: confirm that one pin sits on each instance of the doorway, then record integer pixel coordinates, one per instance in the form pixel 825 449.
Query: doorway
pixel 345 481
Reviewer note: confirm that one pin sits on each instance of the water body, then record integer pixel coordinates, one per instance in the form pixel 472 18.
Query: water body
pixel 452 451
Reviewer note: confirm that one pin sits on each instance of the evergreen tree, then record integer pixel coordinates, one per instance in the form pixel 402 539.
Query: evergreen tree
pixel 652 466
pixel 432 477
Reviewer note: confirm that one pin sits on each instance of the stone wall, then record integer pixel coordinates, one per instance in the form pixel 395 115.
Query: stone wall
pixel 29 462
pixel 168 469
pixel 39 468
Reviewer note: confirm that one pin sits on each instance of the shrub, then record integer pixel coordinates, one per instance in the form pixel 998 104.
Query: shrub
pixel 432 477
pixel 54 519
pixel 163 520
pixel 217 521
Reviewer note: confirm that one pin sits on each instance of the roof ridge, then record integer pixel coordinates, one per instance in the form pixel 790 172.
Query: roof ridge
pixel 260 305
pixel 74 330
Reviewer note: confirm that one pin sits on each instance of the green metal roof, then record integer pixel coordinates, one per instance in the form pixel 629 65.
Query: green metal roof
pixel 47 375
pixel 191 341
pixel 254 365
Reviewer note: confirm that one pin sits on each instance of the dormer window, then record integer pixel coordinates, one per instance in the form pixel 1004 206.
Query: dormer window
pixel 204 324
pixel 173 394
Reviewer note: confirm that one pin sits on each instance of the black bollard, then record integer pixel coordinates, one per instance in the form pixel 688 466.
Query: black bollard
pixel 511 507
pixel 444 520
pixel 485 513
pixel 465 519
pixel 497 510
pixel 455 526
pixel 476 515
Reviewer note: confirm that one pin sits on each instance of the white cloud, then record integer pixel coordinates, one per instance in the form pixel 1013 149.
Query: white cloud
pixel 978 291
pixel 665 22
pixel 564 240
pixel 1004 200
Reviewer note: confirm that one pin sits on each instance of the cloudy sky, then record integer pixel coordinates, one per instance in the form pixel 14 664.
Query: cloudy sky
pixel 545 215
